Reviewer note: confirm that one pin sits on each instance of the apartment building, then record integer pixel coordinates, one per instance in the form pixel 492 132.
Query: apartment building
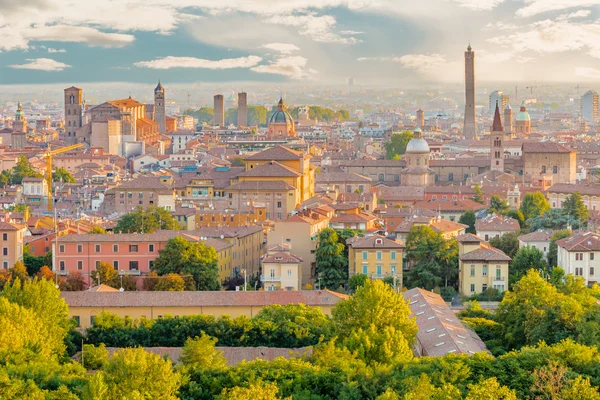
pixel 281 270
pixel 375 256
pixel 480 266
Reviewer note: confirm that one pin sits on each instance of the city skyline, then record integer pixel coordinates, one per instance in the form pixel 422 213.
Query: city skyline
pixel 301 41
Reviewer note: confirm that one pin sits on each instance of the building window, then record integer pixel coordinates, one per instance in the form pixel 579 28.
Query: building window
pixel 543 169
pixel 278 204
pixel 92 319
pixel 379 255
pixel 133 248
pixel 115 248
pixel 133 265
pixel 379 270
pixel 98 248
pixel 555 170
pixel 77 321
pixel 80 265
pixel 61 265
pixel 151 248
pixel 289 273
pixel 80 248
pixel 5 264
pixel 116 265
pixel 484 287
pixel 451 177
pixel 472 287
pixel 365 269
pixel 5 236
pixel 5 251
pixel 392 255
pixel 381 177
pixel 591 271
pixel 61 248
pixel 365 255
pixel 591 256
pixel 484 270
pixel 393 269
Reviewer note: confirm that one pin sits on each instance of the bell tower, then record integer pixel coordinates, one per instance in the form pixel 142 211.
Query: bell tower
pixel 497 143
pixel 160 116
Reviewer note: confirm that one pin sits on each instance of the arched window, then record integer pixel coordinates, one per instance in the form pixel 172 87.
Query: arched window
pixel 72 99
pixel 543 169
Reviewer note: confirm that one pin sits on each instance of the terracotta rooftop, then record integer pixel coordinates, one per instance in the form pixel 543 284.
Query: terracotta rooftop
pixel 375 242
pixel 586 241
pixel 282 257
pixel 495 222
pixel 450 205
pixel 440 331
pixel 568 188
pixel 144 183
pixel 545 147
pixel 201 299
pixel 261 185
pixel 469 238
pixel 485 254
pixel 277 153
pixel 271 169
pixel 340 177
pixel 537 236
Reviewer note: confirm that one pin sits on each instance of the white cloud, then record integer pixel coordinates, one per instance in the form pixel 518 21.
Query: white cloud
pixel 500 26
pixel 77 34
pixel 534 7
pixel 588 72
pixel 192 62
pixel 283 48
pixel 41 64
pixel 51 50
pixel 318 28
pixel 479 5
pixel 554 37
pixel 413 61
pixel 351 33
pixel 576 14
pixel 293 67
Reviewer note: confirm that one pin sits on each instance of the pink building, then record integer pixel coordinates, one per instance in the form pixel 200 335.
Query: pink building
pixel 129 253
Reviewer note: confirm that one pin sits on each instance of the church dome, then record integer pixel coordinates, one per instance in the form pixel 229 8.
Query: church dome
pixel 281 116
pixel 523 115
pixel 417 144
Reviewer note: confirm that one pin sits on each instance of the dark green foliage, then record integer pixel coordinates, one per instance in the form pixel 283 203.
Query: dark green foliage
pixel 498 205
pixel 508 243
pixel 356 281
pixel 146 221
pixel 533 205
pixel 468 218
pixel 553 248
pixel 526 258
pixel 332 266
pixel 574 207
pixel 556 218
pixel 23 169
pixel 62 175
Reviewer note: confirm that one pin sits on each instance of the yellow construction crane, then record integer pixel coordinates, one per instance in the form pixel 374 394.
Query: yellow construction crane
pixel 48 154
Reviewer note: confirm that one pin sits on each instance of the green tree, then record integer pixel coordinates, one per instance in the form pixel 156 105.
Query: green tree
pixel 331 265
pixel 468 218
pixel 62 175
pixel 23 169
pixel 508 243
pixel 170 283
pixel 181 256
pixel 94 357
pixel 199 354
pixel 434 259
pixel 356 281
pixel 517 215
pixel 204 114
pixel 146 221
pixel 373 317
pixel 478 194
pixel 553 248
pixel 255 391
pixel 138 374
pixel 106 274
pixel 97 230
pixel 498 205
pixel 555 218
pixel 490 389
pixel 533 205
pixel 257 115
pixel 526 258
pixel 574 207
pixel 397 144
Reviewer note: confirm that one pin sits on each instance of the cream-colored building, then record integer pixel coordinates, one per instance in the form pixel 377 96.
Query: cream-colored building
pixel 301 232
pixel 11 241
pixel 35 187
pixel 495 225
pixel 375 256
pixel 579 255
pixel 281 270
pixel 448 229
pixel 480 266
pixel 85 306
pixel 538 239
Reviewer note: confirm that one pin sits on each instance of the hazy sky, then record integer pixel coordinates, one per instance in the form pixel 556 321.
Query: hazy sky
pixel 312 41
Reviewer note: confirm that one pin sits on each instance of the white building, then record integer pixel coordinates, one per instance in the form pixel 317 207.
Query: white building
pixel 180 138
pixel 589 105
pixel 495 225
pixel 539 239
pixel 35 187
pixel 579 255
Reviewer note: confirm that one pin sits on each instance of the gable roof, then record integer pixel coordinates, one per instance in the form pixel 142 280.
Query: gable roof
pixel 375 242
pixel 277 153
pixel 586 241
pixel 485 254
pixel 271 168
pixel 545 147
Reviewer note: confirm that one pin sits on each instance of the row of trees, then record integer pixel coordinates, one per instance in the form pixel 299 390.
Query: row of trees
pixel 24 169
pixel 365 353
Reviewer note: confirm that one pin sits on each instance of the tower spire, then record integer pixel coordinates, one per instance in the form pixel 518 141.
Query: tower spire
pixel 497 125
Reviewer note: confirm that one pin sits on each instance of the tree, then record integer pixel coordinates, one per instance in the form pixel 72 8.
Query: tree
pixel 23 169
pixel 433 258
pixel 45 273
pixel 170 283
pixel 517 215
pixel 238 162
pixel 18 271
pixel 138 374
pixel 204 114
pixel 490 389
pixel 146 221
pixel 553 248
pixel 397 144
pixel 73 283
pixel 555 218
pixel 94 357
pixel 62 175
pixel 199 354
pixel 372 318
pixel 33 264
pixel 255 391
pixel 574 207
pixel 97 230
pixel 331 265
pixel 181 256
pixel 508 243
pixel 498 205
pixel 525 258
pixel 468 218
pixel 356 281
pixel 105 274
pixel 533 205
pixel 478 194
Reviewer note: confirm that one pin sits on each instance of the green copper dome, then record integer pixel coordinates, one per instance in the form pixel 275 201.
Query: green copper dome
pixel 523 115
pixel 281 115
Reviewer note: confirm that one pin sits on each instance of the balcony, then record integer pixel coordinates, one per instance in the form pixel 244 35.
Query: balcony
pixel 131 272
pixel 499 280
pixel 270 278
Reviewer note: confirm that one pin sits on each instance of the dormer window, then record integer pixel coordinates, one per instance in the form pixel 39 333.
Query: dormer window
pixel 378 241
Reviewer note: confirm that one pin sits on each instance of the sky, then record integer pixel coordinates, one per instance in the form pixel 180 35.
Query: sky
pixel 311 42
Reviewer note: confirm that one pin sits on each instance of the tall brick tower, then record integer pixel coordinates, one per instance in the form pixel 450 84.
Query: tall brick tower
pixel 219 110
pixel 508 119
pixel 497 143
pixel 242 109
pixel 73 113
pixel 470 126
pixel 160 116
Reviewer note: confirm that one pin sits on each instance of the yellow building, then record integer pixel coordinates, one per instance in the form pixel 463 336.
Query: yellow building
pixel 281 269
pixel 375 256
pixel 85 306
pixel 480 266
